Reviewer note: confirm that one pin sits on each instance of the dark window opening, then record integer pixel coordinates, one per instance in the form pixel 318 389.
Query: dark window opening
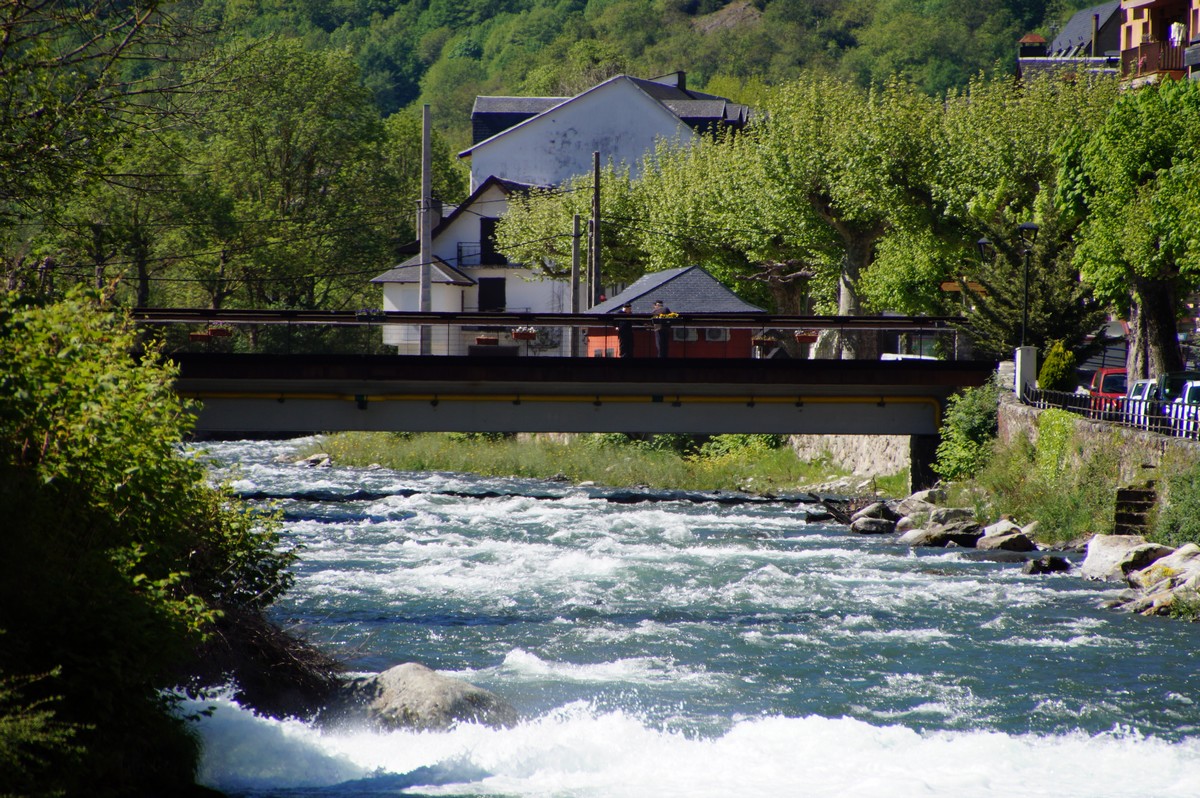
pixel 492 295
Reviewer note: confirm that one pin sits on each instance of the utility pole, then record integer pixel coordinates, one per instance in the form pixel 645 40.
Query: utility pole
pixel 594 283
pixel 573 345
pixel 425 303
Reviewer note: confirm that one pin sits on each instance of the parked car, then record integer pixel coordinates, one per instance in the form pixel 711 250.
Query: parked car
pixel 1107 390
pixel 1184 412
pixel 1142 406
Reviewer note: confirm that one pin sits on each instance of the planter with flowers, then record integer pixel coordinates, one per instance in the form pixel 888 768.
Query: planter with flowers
pixel 524 333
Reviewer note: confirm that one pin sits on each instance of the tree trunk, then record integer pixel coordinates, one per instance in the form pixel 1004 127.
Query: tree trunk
pixel 859 249
pixel 1154 345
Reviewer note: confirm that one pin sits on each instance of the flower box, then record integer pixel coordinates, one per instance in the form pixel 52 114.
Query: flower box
pixel 806 336
pixel 200 336
pixel 220 332
pixel 522 335
pixel 487 340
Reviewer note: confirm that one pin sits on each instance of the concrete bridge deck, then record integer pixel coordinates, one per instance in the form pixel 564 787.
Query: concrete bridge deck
pixel 244 394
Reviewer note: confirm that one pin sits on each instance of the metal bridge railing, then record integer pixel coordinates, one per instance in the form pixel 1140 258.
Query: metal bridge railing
pixel 1173 419
pixel 750 336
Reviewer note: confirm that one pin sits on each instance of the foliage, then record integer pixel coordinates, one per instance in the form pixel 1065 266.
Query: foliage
pixel 1058 369
pixel 968 429
pixel 1135 179
pixel 1069 491
pixel 30 736
pixel 1178 520
pixel 736 462
pixel 118 555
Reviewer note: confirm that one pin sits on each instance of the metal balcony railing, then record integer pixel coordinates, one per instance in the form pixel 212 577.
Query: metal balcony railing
pixel 1149 58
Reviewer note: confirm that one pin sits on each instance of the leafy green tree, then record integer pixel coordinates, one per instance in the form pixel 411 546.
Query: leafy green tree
pixel 291 149
pixel 117 554
pixel 968 431
pixel 1135 179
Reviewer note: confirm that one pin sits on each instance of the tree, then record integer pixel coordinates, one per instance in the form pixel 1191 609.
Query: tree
pixel 1135 178
pixel 117 554
pixel 996 166
pixel 290 157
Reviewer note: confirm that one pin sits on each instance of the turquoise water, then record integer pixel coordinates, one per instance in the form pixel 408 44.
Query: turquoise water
pixel 672 647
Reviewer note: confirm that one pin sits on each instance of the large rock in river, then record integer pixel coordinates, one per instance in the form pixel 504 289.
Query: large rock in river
pixel 1112 557
pixel 411 696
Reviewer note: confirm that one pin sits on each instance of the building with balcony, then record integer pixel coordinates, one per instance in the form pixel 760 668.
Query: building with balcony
pixel 1160 39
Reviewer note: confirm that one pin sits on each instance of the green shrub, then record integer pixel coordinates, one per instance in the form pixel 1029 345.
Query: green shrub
pixel 1178 519
pixel 1058 369
pixel 117 555
pixel 967 432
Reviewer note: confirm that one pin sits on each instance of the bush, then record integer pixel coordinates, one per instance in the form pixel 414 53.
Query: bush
pixel 117 555
pixel 1058 369
pixel 1178 519
pixel 967 432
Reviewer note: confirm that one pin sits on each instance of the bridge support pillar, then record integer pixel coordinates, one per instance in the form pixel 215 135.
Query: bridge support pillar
pixel 922 451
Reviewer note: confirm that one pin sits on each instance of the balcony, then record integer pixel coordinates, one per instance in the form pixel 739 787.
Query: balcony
pixel 1152 58
pixel 479 253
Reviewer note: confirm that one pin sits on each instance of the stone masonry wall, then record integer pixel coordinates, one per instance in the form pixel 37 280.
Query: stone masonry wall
pixel 865 455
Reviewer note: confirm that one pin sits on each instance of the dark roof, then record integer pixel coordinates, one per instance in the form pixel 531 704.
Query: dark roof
pixel 1076 36
pixel 687 290
pixel 410 272
pixel 508 187
pixel 494 115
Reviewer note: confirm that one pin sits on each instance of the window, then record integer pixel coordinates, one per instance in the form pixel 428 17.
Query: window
pixel 488 256
pixel 492 294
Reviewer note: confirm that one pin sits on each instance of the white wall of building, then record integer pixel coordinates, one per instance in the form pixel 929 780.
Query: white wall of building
pixel 616 119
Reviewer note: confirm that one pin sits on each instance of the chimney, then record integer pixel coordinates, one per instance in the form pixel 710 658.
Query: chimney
pixel 1031 46
pixel 1095 32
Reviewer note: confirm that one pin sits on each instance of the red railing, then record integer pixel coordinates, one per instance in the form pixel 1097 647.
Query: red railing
pixel 1151 57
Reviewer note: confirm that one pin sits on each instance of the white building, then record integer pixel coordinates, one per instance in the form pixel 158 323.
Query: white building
pixel 523 142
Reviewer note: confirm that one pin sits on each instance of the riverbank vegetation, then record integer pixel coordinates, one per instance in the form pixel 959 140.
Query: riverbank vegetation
pixel 753 463
pixel 1067 486
pixel 117 560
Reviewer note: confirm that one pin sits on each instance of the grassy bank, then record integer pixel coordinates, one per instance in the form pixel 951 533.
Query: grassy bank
pixel 756 463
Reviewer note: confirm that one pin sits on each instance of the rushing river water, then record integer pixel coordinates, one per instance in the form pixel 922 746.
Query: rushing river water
pixel 674 648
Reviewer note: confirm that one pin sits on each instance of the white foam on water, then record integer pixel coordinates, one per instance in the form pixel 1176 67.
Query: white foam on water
pixel 520 665
pixel 579 752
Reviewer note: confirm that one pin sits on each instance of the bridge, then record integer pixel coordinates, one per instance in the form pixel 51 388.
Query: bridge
pixel 283 393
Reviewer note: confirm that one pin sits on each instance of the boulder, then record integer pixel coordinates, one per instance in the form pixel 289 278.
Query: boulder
pixel 1001 527
pixel 1005 541
pixel 1112 557
pixel 318 460
pixel 873 526
pixel 1047 565
pixel 957 533
pixel 923 501
pixel 1177 568
pixel 878 510
pixel 906 523
pixel 411 696
pixel 947 515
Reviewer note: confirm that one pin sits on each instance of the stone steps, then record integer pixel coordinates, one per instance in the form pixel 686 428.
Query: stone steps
pixel 1133 508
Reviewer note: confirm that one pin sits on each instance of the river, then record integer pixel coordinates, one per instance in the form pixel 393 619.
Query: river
pixel 676 648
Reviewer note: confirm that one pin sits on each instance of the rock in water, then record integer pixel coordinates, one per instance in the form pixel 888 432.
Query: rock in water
pixel 411 696
pixel 1111 557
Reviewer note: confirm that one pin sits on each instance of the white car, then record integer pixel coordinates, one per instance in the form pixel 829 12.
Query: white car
pixel 1142 407
pixel 1184 412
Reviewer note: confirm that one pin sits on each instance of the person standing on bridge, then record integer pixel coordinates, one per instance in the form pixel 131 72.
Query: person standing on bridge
pixel 662 327
pixel 625 331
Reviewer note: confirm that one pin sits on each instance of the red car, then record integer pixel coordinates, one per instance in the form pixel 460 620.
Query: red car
pixel 1108 391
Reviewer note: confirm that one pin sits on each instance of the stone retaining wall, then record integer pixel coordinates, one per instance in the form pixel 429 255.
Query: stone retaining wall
pixel 1141 451
pixel 865 455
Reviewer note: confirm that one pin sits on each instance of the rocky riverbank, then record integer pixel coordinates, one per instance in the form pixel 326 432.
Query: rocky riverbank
pixel 1161 580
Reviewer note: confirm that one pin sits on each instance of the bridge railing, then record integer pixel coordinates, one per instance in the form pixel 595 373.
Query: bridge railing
pixel 1164 418
pixel 554 334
